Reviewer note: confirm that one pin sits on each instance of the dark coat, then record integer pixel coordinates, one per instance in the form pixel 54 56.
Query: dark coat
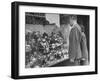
pixel 74 43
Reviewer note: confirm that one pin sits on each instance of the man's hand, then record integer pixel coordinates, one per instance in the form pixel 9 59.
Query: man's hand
pixel 71 60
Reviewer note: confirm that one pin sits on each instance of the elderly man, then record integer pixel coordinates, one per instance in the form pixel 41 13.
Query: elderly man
pixel 75 53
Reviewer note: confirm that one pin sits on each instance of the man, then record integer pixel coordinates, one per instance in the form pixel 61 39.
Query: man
pixel 75 53
pixel 85 59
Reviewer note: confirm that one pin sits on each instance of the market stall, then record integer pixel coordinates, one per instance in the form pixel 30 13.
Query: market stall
pixel 43 50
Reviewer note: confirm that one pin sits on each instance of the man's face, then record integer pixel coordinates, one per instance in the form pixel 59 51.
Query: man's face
pixel 71 22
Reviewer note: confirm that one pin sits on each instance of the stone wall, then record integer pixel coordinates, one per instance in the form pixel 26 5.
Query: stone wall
pixel 42 28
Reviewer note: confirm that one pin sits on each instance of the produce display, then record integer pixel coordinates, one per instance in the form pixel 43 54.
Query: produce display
pixel 43 50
